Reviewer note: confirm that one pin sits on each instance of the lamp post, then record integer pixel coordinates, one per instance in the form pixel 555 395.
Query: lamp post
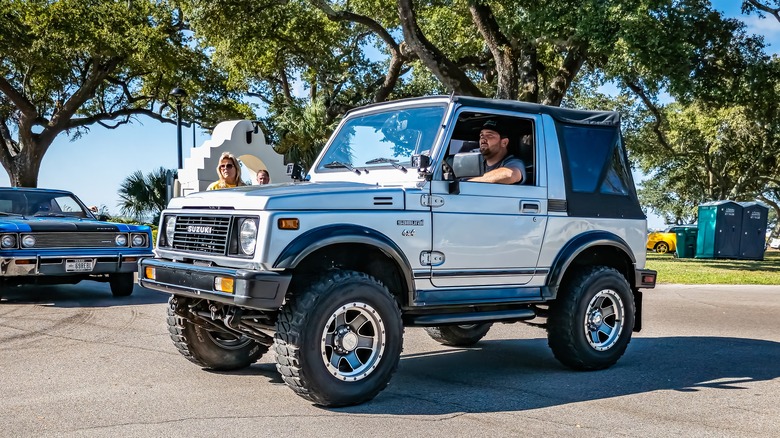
pixel 178 94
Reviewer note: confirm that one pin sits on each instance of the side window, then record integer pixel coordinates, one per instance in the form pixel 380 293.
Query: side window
pixel 520 132
pixel 595 160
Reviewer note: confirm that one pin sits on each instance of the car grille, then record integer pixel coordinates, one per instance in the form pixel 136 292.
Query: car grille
pixel 75 240
pixel 207 234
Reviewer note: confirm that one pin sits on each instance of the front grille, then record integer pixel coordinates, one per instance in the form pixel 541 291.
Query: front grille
pixel 75 240
pixel 207 234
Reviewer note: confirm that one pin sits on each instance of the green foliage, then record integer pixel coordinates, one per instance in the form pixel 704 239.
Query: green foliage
pixel 68 65
pixel 144 196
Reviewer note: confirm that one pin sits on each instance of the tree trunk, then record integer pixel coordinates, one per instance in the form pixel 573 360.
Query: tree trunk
pixel 24 167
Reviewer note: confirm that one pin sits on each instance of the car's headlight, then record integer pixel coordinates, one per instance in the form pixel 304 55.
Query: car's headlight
pixel 139 240
pixel 8 241
pixel 28 241
pixel 121 240
pixel 247 237
pixel 170 228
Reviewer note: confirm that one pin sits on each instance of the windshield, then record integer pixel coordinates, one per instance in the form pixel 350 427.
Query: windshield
pixel 384 139
pixel 25 203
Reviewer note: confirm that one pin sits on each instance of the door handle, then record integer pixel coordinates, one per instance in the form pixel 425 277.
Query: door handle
pixel 528 207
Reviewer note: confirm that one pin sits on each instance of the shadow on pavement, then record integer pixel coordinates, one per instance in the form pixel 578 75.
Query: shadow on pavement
pixel 513 375
pixel 84 294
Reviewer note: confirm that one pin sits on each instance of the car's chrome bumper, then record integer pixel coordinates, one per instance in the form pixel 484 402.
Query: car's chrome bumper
pixel 56 265
pixel 253 289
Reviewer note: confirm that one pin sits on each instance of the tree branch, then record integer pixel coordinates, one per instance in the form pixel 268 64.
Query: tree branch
pixel 656 115
pixel 127 112
pixel 450 75
pixel 18 99
pixel 762 7
pixel 504 54
pixel 572 63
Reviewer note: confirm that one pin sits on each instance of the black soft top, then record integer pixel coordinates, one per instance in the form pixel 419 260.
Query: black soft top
pixel 565 115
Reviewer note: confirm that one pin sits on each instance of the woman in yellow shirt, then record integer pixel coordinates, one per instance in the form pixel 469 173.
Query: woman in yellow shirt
pixel 229 173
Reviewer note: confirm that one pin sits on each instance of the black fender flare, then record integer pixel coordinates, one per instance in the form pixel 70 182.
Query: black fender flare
pixel 320 237
pixel 575 247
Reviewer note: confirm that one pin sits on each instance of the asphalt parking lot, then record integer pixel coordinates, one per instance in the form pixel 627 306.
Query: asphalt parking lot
pixel 75 362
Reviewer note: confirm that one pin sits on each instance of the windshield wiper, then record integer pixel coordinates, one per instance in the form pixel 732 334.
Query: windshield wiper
pixel 390 161
pixel 50 215
pixel 339 164
pixel 5 213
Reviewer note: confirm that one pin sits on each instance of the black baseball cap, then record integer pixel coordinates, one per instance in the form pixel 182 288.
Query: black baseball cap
pixel 495 125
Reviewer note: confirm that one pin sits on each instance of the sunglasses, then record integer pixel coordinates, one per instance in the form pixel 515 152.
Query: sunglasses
pixel 225 166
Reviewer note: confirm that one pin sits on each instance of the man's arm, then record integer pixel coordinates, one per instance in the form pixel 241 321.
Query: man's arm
pixel 502 175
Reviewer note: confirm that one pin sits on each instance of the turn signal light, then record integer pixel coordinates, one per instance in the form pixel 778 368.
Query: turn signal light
pixel 224 284
pixel 288 224
pixel 149 273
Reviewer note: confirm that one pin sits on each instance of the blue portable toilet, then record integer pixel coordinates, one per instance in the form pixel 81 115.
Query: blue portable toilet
pixel 720 229
pixel 753 237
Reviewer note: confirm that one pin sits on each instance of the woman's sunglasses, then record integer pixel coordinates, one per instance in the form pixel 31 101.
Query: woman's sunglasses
pixel 226 166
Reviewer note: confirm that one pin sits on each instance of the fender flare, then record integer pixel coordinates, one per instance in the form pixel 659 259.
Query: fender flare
pixel 574 248
pixel 320 237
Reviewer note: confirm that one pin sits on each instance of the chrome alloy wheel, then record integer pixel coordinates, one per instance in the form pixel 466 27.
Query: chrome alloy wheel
pixel 353 341
pixel 604 320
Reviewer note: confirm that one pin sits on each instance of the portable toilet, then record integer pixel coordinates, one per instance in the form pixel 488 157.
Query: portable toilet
pixel 720 229
pixel 753 237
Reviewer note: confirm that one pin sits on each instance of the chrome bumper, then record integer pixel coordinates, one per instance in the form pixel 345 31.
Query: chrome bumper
pixel 55 265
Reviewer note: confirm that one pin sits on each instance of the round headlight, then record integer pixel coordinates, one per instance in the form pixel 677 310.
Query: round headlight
pixel 248 236
pixel 170 228
pixel 138 240
pixel 28 241
pixel 121 240
pixel 8 241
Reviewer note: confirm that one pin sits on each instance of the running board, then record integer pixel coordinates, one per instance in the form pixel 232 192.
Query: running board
pixel 470 317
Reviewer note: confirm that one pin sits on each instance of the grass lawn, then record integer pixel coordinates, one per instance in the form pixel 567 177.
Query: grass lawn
pixel 716 271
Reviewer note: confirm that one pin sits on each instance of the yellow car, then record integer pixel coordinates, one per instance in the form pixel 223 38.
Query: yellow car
pixel 665 241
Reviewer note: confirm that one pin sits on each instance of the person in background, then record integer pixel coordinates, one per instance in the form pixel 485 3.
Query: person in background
pixel 262 177
pixel 229 173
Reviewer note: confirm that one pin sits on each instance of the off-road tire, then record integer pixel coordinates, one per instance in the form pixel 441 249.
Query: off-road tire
pixel 464 335
pixel 339 339
pixel 592 320
pixel 211 349
pixel 122 284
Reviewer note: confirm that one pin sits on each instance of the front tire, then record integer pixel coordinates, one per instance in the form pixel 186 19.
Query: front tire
pixel 211 349
pixel 591 322
pixel 122 284
pixel 464 335
pixel 339 340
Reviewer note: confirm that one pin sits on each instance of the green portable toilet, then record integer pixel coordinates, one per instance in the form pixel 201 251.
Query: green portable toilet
pixel 720 229
pixel 686 241
pixel 753 237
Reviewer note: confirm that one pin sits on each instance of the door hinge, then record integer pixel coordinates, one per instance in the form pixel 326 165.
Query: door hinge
pixel 431 201
pixel 431 258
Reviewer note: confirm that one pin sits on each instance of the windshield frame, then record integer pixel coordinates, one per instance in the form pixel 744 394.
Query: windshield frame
pixel 31 197
pixel 385 151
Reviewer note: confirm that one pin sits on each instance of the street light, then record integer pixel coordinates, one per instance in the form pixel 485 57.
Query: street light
pixel 178 94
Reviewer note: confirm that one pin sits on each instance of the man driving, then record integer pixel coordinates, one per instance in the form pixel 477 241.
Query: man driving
pixel 500 166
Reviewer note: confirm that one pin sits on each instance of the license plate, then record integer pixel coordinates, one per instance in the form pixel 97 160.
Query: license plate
pixel 78 265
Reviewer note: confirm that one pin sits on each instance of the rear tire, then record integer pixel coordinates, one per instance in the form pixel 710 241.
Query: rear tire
pixel 592 320
pixel 122 284
pixel 338 340
pixel 661 247
pixel 211 349
pixel 464 335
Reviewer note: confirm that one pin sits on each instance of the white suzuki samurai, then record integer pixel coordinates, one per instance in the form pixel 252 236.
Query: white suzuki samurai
pixel 385 231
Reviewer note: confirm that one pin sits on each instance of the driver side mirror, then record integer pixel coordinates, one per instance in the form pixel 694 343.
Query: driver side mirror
pixel 468 165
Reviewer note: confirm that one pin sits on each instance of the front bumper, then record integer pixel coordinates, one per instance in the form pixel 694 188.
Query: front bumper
pixel 263 290
pixel 48 265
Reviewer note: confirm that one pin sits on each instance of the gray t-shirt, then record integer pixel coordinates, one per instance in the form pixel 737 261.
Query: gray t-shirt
pixel 511 162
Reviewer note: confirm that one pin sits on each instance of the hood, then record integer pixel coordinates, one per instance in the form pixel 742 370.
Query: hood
pixel 299 196
pixel 48 224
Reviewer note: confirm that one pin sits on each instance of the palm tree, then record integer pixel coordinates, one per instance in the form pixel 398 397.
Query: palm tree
pixel 143 196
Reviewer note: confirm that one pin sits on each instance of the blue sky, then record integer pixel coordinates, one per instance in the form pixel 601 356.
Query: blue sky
pixel 94 166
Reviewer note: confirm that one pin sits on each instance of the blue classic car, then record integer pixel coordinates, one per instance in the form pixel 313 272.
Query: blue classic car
pixel 50 237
